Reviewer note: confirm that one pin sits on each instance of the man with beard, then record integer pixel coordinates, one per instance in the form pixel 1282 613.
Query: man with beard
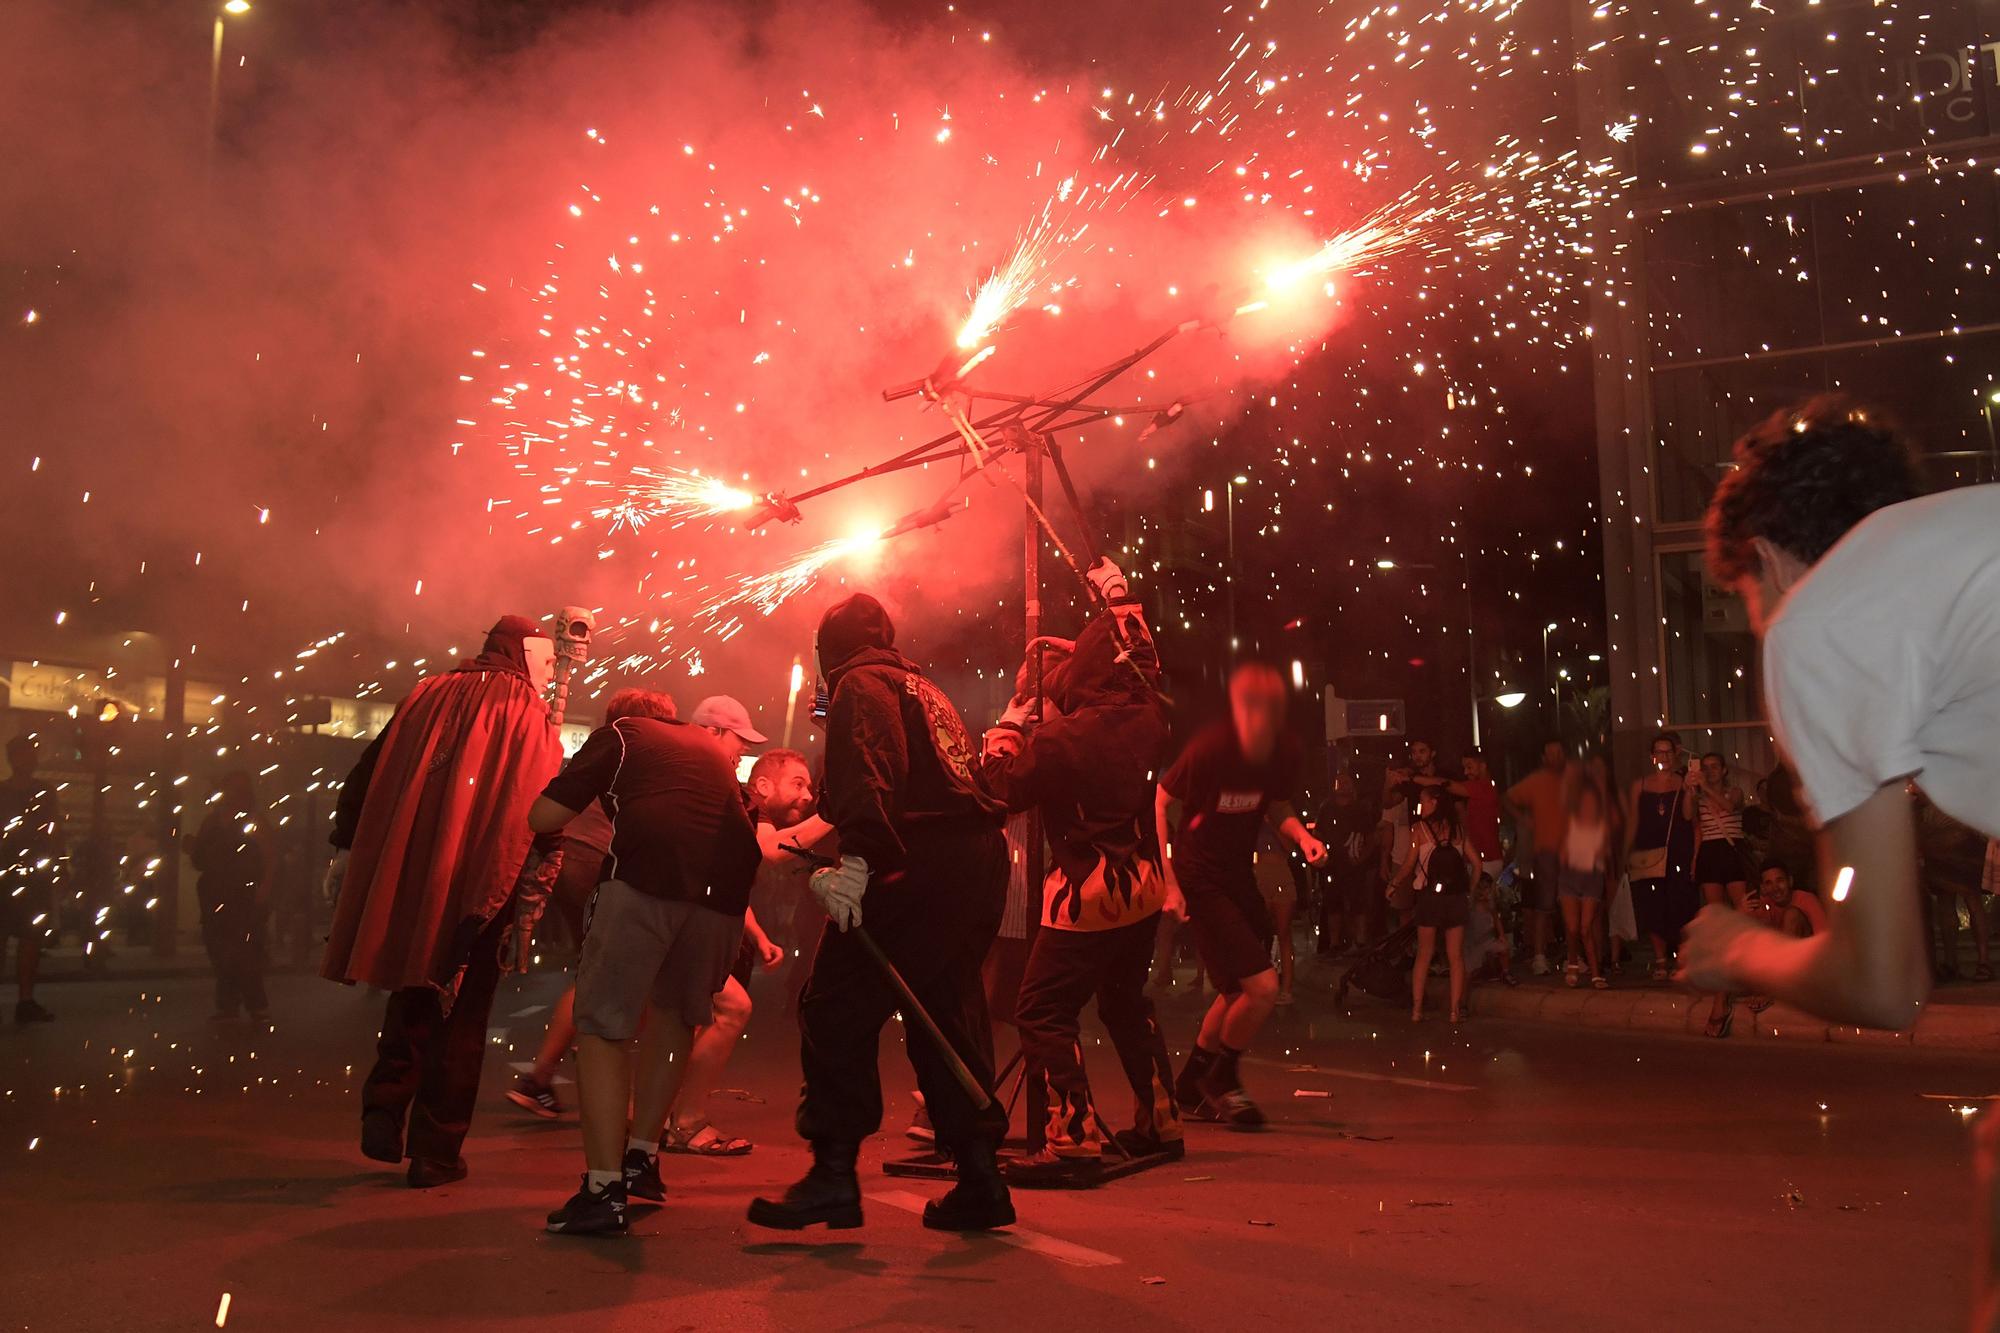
pixel 1089 770
pixel 921 840
pixel 438 895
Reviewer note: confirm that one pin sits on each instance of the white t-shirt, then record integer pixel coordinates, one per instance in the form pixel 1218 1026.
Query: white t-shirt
pixel 1883 663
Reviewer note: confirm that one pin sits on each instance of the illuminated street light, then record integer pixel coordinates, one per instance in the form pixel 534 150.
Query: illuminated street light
pixel 237 7
pixel 1511 699
pixel 1385 564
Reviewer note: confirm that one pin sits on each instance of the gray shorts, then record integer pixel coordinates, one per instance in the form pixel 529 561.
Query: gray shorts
pixel 638 949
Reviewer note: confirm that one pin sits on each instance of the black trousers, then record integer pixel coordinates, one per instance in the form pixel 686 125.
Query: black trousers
pixel 1065 970
pixel 935 924
pixel 233 930
pixel 427 1063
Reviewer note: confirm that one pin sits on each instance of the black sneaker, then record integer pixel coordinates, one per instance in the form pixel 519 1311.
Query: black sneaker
pixel 534 1098
pixel 1233 1107
pixel 592 1213
pixel 1046 1169
pixel 29 1011
pixel 642 1178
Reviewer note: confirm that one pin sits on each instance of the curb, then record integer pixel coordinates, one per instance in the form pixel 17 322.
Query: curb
pixel 1942 1027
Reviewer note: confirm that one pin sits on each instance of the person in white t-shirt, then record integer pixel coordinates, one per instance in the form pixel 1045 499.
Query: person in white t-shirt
pixel 1880 618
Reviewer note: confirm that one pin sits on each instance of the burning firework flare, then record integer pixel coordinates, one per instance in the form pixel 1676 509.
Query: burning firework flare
pixel 1041 248
pixel 765 593
pixel 676 494
pixel 1426 220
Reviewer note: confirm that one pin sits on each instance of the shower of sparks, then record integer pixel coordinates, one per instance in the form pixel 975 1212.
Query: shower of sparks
pixel 1033 269
pixel 637 362
pixel 1023 275
pixel 765 593
pixel 673 494
pixel 1435 218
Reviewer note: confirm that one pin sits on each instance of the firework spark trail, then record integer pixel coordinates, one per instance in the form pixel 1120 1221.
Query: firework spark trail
pixel 1429 219
pixel 1016 280
pixel 674 493
pixel 1030 270
pixel 765 593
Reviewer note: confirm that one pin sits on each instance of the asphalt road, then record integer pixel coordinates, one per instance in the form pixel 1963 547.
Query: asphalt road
pixel 1488 1177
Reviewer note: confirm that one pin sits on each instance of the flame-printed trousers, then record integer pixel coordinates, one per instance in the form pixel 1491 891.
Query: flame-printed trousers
pixel 1065 970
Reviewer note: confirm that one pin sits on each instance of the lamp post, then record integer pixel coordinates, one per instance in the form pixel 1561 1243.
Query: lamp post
pixel 235 8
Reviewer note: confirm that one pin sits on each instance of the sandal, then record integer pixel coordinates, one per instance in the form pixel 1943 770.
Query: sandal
pixel 703 1140
pixel 1718 1024
pixel 1457 1016
pixel 1983 972
pixel 1572 974
pixel 1660 973
pixel 1599 983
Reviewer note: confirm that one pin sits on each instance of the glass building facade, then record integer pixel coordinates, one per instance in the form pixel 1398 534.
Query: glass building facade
pixel 1805 201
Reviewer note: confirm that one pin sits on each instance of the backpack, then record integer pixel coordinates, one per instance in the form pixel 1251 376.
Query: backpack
pixel 1445 870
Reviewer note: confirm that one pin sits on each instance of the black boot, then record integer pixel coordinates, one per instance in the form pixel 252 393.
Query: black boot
pixel 830 1193
pixel 382 1135
pixel 979 1201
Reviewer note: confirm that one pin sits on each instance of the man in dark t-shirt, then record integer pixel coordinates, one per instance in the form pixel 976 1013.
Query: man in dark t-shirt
pixel 1350 828
pixel 1230 780
pixel 663 930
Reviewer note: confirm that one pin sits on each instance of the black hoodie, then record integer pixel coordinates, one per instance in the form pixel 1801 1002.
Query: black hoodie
pixel 898 759
pixel 1091 770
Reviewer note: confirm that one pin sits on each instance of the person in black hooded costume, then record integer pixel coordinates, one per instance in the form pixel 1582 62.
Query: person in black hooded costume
pixel 1090 769
pixel 921 839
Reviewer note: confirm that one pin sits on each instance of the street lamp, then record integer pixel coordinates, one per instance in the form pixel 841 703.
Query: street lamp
pixel 1511 699
pixel 234 8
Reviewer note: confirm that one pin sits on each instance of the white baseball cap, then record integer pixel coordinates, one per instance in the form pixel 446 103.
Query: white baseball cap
pixel 725 714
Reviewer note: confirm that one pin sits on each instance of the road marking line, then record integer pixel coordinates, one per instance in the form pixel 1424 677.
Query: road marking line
pixel 1429 1084
pixel 531 1009
pixel 1062 1251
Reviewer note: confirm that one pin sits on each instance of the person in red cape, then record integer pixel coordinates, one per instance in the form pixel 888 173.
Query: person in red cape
pixel 439 886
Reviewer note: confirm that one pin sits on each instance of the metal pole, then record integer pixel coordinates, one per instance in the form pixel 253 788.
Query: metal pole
pixel 1031 624
pixel 913 1008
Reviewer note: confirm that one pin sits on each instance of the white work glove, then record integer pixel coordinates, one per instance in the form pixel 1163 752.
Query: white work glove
pixel 1004 736
pixel 1108 579
pixel 839 889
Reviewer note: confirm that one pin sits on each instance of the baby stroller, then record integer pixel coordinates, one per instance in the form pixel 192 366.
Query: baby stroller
pixel 1384 971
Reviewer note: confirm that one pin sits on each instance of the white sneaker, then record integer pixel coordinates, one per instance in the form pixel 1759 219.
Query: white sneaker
pixel 1540 967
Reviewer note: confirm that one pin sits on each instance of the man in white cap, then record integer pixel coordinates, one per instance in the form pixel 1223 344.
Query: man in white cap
pixel 722 717
pixel 687 1129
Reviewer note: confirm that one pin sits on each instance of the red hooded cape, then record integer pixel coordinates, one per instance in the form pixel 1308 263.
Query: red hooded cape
pixel 443 831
